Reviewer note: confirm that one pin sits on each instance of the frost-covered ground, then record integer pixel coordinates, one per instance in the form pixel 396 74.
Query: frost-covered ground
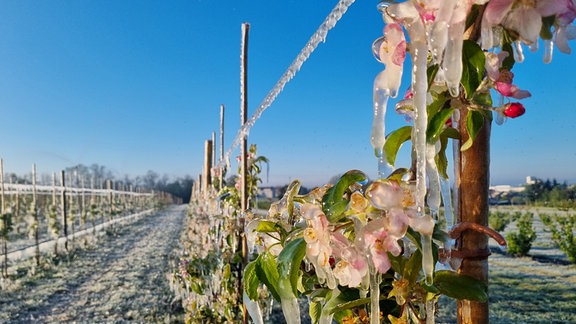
pixel 119 276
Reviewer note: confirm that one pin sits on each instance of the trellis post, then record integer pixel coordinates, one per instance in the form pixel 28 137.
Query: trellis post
pixel 473 181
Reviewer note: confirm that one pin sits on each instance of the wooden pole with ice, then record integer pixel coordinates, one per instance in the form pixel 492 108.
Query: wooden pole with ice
pixel 243 157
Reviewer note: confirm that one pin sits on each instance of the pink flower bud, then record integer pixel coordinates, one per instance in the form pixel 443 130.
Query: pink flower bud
pixel 514 110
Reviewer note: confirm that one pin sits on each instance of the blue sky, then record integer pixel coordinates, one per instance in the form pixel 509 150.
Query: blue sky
pixel 137 86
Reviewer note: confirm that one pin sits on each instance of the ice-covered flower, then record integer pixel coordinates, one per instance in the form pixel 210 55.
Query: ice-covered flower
pixel 317 237
pixel 352 267
pixel 502 79
pixel 525 18
pixel 385 194
pixel 505 87
pixel 391 51
pixel 377 241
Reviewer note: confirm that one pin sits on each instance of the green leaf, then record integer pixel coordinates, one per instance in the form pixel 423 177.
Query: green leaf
pixel 459 286
pixel 474 122
pixel 333 201
pixel 292 191
pixel 289 262
pixel 440 158
pixel 431 74
pixel 267 272
pixel 547 24
pixel 265 226
pixel 482 99
pixel 437 124
pixel 251 281
pixel 413 266
pixel 473 67
pixel 315 310
pixel 508 62
pixel 394 141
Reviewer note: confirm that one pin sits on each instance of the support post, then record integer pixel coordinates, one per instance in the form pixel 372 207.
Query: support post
pixel 206 178
pixel 243 157
pixel 473 184
pixel 64 206
pixel 221 178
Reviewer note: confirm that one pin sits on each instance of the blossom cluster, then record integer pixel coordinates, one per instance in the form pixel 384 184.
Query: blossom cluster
pixel 441 26
pixel 344 252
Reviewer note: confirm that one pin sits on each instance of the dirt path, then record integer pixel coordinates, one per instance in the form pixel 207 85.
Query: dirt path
pixel 122 278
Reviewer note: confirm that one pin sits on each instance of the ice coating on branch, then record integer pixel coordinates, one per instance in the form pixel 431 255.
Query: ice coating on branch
pixel 318 37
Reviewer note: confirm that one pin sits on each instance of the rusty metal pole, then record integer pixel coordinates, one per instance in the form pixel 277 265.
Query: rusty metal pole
pixel 243 156
pixel 473 184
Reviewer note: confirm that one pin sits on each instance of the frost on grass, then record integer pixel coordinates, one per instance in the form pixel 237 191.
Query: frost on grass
pixel 122 277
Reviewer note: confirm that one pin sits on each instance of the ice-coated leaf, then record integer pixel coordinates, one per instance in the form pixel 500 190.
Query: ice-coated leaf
pixel 508 62
pixel 266 226
pixel 473 67
pixel 289 262
pixel 314 310
pixel 413 266
pixel 474 122
pixel 440 158
pixel 482 99
pixel 394 141
pixel 459 286
pixel 333 202
pixel 251 280
pixel 267 272
pixel 437 123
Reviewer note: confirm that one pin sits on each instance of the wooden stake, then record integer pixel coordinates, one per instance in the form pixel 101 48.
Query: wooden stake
pixel 35 215
pixel 473 184
pixel 2 208
pixel 243 156
pixel 221 178
pixel 63 206
pixel 206 177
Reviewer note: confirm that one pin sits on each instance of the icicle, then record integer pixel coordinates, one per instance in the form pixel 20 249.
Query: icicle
pixel 518 52
pixel 533 47
pixel 433 181
pixel 452 64
pixel 288 301
pixel 500 118
pixel 548 50
pixel 318 37
pixel 377 138
pixel 375 279
pixel 430 310
pixel 253 309
pixel 447 199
